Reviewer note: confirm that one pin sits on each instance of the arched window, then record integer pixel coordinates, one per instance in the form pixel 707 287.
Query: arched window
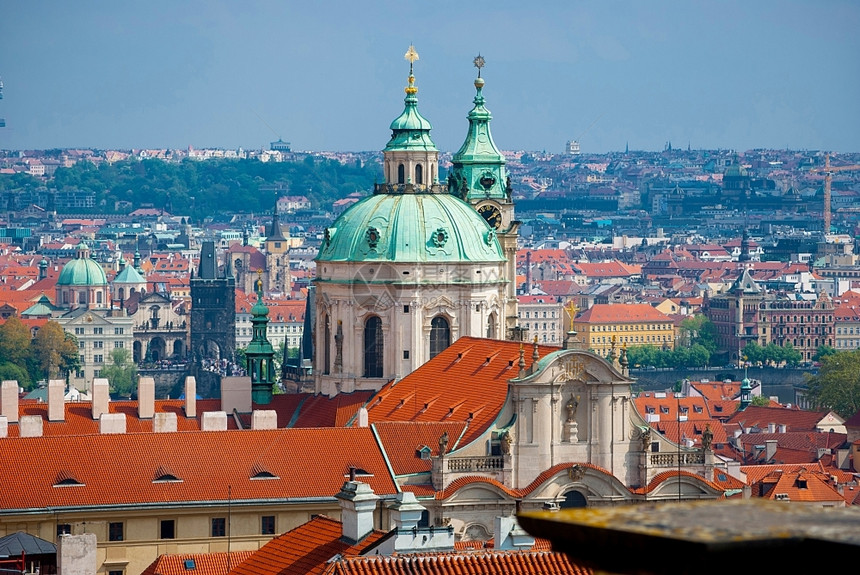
pixel 401 174
pixel 121 293
pixel 373 347
pixel 491 326
pixel 327 346
pixel 440 335
pixel 419 174
pixel 573 499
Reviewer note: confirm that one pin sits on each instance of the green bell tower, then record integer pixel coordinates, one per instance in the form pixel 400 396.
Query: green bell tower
pixel 260 354
pixel 478 176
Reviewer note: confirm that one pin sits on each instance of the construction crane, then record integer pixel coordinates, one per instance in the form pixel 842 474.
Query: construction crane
pixel 828 176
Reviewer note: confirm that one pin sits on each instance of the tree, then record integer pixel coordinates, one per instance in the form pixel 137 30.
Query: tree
pixel 698 329
pixel 55 351
pixel 790 355
pixel 14 342
pixel 121 373
pixel 13 372
pixel 760 401
pixel 823 351
pixel 837 385
pixel 753 352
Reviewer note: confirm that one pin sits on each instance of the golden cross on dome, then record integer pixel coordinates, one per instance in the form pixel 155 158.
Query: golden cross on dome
pixel 571 310
pixel 479 63
pixel 411 55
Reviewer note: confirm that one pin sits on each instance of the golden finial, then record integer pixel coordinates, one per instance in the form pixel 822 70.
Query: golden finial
pixel 411 55
pixel 571 310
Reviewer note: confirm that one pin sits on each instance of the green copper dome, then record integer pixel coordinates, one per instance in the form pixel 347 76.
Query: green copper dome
pixel 82 271
pixel 410 227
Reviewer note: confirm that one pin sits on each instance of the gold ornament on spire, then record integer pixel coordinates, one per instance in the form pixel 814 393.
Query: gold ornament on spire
pixel 571 310
pixel 411 55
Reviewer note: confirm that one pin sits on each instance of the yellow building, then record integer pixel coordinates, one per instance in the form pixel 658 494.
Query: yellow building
pixel 630 324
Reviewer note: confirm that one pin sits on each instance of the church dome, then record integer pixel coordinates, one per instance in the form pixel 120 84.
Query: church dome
pixel 411 227
pixel 82 271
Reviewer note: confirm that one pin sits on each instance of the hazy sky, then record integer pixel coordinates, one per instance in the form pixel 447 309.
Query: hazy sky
pixel 329 75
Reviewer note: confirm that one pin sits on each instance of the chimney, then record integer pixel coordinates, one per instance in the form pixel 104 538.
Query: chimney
pixel 783 428
pixel 145 397
pixel 508 534
pixel 101 397
pixel 112 423
pixel 264 419
pixel 4 426
pixel 214 421
pixel 362 417
pixel 771 428
pixel 770 448
pixel 9 400
pixel 164 422
pixel 357 504
pixel 410 536
pixel 56 401
pixel 190 396
pixel 30 426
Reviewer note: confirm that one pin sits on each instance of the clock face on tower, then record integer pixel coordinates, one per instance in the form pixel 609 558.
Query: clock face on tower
pixel 492 214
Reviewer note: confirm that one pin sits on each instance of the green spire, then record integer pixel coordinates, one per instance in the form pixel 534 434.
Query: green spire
pixel 478 168
pixel 410 130
pixel 260 353
pixel 746 390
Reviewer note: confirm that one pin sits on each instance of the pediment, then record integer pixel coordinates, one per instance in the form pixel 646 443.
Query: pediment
pixel 576 365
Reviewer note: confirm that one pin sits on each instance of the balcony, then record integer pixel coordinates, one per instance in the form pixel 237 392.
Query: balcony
pixel 488 464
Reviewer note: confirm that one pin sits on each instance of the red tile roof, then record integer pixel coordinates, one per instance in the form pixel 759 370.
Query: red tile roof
pixel 800 485
pixel 471 480
pixel 794 419
pixel 402 439
pixel 484 562
pixel 337 411
pixel 304 550
pixel 466 382
pixel 304 463
pixel 622 313
pixel 79 419
pixel 204 563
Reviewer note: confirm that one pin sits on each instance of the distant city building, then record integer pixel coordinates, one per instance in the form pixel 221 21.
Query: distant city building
pixel 572 148
pixel 279 146
pixel 604 327
pixel 541 314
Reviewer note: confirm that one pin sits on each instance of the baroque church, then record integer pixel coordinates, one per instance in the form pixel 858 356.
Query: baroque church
pixel 415 302
pixel 420 263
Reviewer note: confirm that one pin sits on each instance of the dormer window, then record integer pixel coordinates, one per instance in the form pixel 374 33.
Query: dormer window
pixel 164 475
pixel 66 479
pixel 260 472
